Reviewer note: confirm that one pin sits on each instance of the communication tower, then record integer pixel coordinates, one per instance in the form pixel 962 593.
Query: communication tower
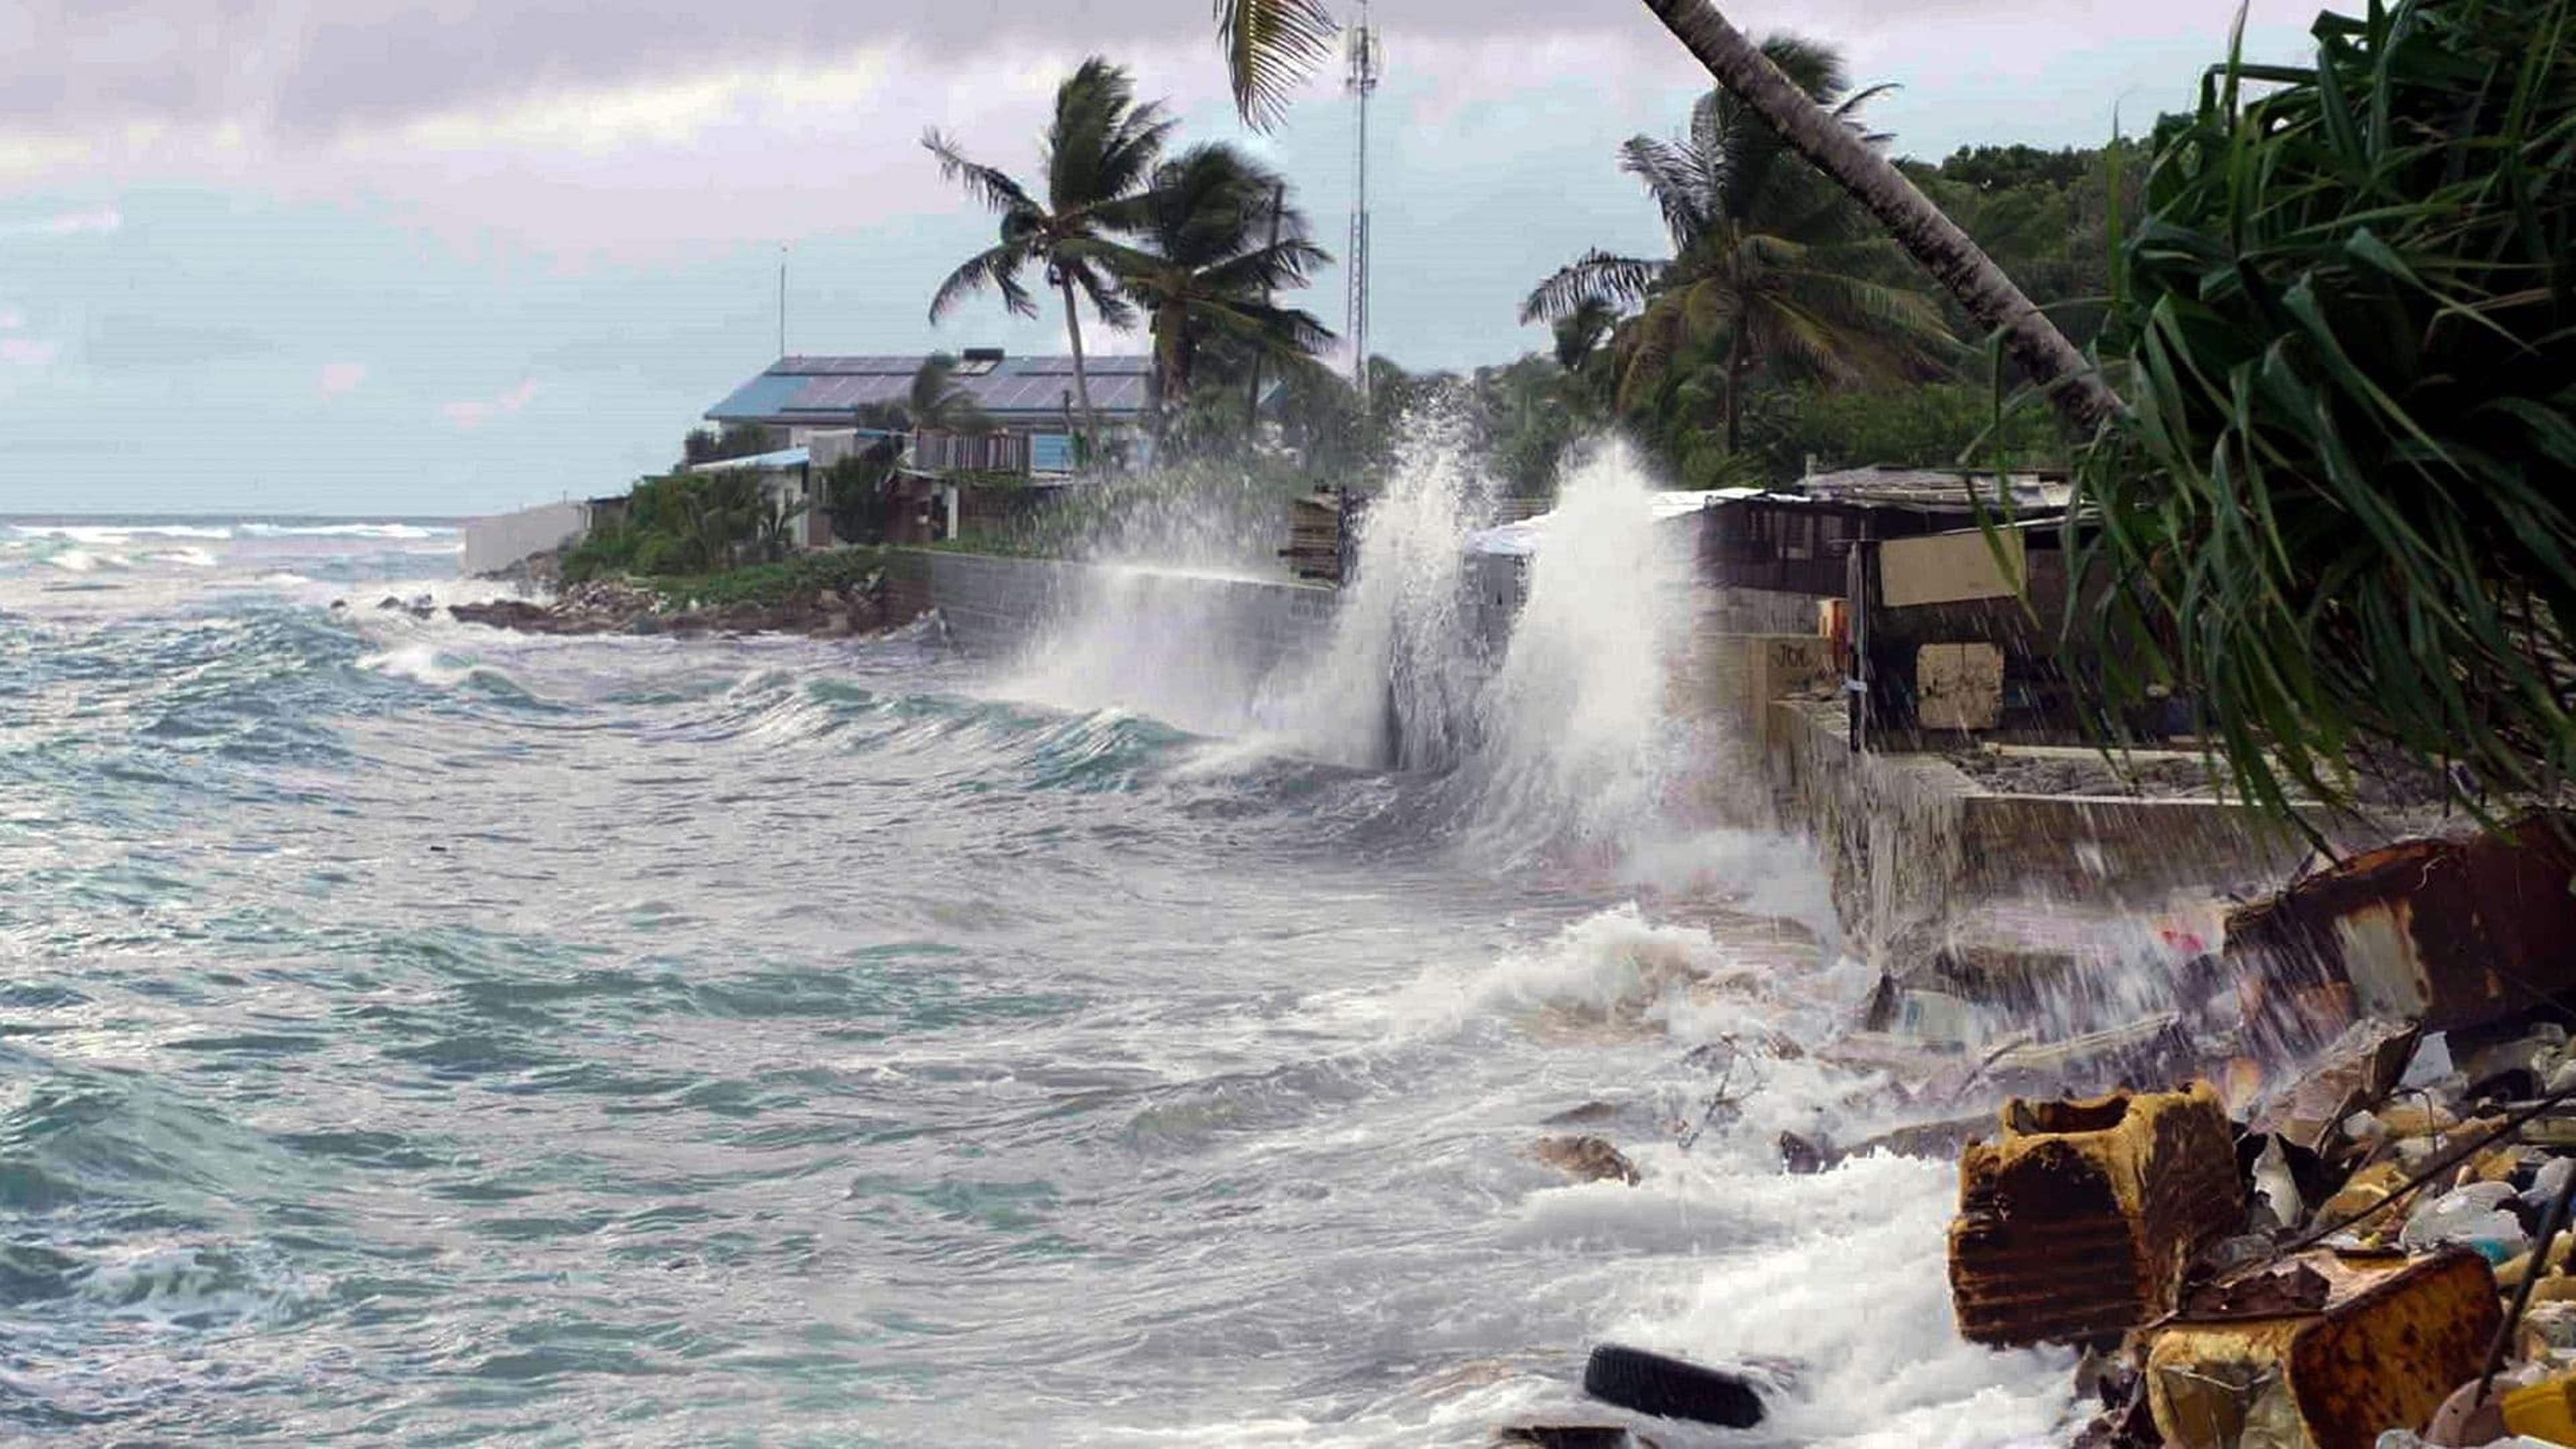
pixel 1362 49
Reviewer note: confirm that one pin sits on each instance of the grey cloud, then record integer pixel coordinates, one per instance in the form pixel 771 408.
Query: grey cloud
pixel 313 66
pixel 318 66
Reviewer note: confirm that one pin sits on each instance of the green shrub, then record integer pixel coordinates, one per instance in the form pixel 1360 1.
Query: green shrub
pixel 773 584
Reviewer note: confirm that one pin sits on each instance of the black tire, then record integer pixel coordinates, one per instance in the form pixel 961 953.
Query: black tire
pixel 1669 1388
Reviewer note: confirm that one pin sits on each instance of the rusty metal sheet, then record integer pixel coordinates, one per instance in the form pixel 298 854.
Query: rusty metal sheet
pixel 2447 933
pixel 2392 1339
pixel 2077 1224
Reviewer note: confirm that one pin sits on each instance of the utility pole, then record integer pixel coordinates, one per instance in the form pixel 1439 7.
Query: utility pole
pixel 782 299
pixel 1362 83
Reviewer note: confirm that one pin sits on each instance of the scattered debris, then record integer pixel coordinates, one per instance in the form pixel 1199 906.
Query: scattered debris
pixel 2153 1049
pixel 2444 933
pixel 1800 1157
pixel 1669 1388
pixel 2389 1341
pixel 2360 1068
pixel 2079 1222
pixel 1928 1139
pixel 1585 1159
pixel 1588 1112
pixel 1571 1436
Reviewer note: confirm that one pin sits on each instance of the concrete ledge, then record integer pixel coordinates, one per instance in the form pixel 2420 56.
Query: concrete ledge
pixel 1910 842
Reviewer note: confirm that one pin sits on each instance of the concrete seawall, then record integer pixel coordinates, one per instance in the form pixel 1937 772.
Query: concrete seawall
pixel 996 606
pixel 495 543
pixel 1911 844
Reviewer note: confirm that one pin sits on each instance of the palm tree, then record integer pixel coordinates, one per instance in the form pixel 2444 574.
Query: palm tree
pixel 1765 253
pixel 1100 148
pixel 1931 238
pixel 1213 238
pixel 1272 45
pixel 774 525
pixel 1579 332
pixel 936 401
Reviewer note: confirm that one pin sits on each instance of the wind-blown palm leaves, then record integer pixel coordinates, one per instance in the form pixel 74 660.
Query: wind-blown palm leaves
pixel 1766 254
pixel 1212 239
pixel 936 401
pixel 1100 147
pixel 1271 46
pixel 2339 514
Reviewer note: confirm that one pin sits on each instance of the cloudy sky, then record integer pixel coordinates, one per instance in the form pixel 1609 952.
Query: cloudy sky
pixel 350 256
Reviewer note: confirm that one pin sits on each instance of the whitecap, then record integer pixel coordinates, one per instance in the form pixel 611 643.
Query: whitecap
pixel 419 662
pixel 343 530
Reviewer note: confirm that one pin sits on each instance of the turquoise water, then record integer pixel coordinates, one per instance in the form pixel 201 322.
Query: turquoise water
pixel 415 1033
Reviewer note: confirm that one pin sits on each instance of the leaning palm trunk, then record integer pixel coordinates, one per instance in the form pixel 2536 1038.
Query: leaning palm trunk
pixel 1081 379
pixel 1945 251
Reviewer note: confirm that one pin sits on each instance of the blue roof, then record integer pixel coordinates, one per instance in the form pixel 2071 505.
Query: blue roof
pixel 815 391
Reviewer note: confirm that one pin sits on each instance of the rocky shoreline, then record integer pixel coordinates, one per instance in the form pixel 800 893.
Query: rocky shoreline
pixel 613 607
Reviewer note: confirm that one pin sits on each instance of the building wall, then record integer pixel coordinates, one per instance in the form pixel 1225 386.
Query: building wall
pixel 493 544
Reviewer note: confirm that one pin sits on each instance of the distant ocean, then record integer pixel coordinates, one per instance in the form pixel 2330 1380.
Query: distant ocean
pixel 420 1034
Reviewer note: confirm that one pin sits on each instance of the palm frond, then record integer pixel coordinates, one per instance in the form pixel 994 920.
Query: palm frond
pixel 997 267
pixel 1282 267
pixel 1675 179
pixel 990 185
pixel 1596 276
pixel 1271 47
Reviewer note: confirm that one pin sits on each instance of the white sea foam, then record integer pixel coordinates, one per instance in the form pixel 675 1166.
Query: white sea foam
pixel 343 530
pixel 179 1287
pixel 119 532
pixel 1608 963
pixel 195 558
pixel 82 561
pixel 1850 1287
pixel 418 661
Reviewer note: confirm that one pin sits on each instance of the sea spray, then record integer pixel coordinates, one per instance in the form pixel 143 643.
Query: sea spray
pixel 1577 749
pixel 1396 685
pixel 1176 643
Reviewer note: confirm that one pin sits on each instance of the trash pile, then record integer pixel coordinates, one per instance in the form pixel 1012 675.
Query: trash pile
pixel 2374 1249
pixel 2322 1200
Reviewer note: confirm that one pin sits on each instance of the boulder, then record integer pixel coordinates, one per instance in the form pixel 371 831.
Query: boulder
pixel 1585 1159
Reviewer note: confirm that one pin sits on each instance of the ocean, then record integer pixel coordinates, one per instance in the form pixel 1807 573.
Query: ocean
pixel 417 1033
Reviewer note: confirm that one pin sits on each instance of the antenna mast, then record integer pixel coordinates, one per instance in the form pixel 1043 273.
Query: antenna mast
pixel 782 299
pixel 1362 83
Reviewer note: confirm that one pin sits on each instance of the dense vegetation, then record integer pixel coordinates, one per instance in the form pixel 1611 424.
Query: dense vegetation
pixel 2337 510
pixel 688 523
pixel 772 585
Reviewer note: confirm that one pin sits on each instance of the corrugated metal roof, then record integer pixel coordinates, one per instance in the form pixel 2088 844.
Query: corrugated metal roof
pixel 783 458
pixel 808 390
pixel 1935 488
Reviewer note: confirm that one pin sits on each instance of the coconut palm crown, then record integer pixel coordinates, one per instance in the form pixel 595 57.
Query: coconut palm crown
pixel 1766 254
pixel 1100 148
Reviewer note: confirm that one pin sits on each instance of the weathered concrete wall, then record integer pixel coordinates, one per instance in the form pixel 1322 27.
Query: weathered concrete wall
pixel 1910 842
pixel 492 544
